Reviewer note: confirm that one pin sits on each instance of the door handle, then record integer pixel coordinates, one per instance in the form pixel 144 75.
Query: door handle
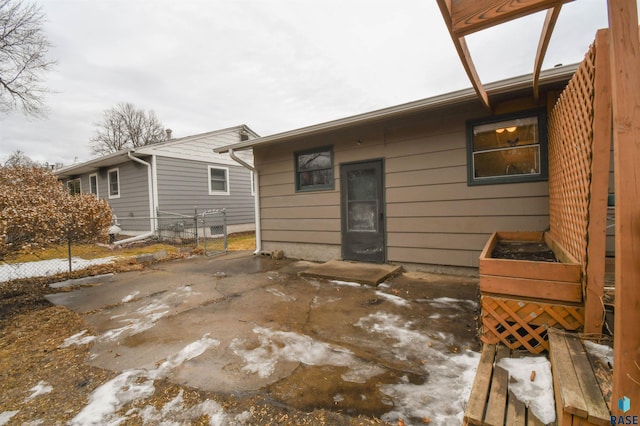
pixel 381 216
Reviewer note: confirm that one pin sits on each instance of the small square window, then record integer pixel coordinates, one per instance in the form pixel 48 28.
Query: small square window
pixel 314 169
pixel 218 180
pixel 113 177
pixel 74 186
pixel 507 149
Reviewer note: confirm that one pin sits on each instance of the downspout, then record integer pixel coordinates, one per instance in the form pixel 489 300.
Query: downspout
pixel 256 199
pixel 151 202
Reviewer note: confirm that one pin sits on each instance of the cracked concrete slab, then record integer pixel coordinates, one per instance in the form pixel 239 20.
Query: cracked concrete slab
pixel 305 341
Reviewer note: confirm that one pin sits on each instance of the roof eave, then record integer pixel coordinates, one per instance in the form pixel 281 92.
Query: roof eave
pixel 550 76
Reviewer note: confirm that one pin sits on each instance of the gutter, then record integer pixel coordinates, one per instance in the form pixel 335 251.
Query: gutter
pixel 549 76
pixel 256 199
pixel 152 202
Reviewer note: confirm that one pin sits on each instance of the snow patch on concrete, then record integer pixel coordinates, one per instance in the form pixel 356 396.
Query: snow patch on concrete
pixel 77 339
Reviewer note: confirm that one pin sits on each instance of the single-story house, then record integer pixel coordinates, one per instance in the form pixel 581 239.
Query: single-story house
pixel 422 183
pixel 178 176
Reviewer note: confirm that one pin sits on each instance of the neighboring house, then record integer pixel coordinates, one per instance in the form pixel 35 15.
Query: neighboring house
pixel 177 176
pixel 423 183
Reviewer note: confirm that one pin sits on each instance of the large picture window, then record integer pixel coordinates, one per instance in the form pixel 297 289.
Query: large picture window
pixel 314 169
pixel 507 149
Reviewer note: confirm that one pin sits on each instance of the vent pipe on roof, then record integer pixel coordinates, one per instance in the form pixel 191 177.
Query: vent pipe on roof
pixel 168 131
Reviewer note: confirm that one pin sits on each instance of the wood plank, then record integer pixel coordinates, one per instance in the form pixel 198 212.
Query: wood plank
pixel 497 404
pixel 481 384
pixel 533 236
pixel 597 230
pixel 530 269
pixel 536 289
pixel 489 246
pixel 561 253
pixel 598 412
pixel 547 29
pixel 469 16
pixel 516 412
pixel 625 68
pixel 604 375
pixel 532 420
pixel 568 390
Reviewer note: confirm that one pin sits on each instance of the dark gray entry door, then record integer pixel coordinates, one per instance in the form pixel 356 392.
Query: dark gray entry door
pixel 362 209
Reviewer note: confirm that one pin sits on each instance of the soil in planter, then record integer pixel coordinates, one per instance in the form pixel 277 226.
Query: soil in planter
pixel 523 250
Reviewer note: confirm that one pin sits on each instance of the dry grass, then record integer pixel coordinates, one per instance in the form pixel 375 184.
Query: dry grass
pixel 236 242
pixel 242 241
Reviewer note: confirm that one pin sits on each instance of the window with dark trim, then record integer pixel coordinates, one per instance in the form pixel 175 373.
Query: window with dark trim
pixel 507 149
pixel 314 169
pixel 74 186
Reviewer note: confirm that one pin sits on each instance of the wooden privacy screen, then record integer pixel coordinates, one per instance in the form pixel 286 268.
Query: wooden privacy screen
pixel 579 148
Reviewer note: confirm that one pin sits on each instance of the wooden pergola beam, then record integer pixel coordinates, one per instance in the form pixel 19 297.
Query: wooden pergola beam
pixel 469 16
pixel 625 69
pixel 465 56
pixel 545 37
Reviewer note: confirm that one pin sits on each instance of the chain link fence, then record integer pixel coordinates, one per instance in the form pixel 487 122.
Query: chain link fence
pixel 205 230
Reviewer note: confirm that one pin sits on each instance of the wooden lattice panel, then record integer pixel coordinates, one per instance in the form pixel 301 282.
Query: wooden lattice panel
pixel 570 156
pixel 523 324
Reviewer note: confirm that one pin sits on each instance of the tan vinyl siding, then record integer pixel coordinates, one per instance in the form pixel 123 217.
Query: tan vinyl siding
pixel 432 215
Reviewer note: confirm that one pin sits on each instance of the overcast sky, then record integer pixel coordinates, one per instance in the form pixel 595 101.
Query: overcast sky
pixel 274 65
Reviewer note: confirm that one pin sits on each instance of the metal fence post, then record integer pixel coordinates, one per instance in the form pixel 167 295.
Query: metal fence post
pixel 195 223
pixel 69 253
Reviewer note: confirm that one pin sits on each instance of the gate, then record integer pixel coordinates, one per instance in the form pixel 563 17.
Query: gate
pixel 212 230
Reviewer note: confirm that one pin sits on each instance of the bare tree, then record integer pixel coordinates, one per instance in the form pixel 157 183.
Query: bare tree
pixel 23 61
pixel 19 159
pixel 126 126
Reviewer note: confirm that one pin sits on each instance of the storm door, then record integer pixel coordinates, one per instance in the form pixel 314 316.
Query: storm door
pixel 362 211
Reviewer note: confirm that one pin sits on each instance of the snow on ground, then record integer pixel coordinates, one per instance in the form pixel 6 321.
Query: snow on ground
pixel 289 346
pixel 536 394
pixel 450 302
pixel 175 413
pixel 442 397
pixel 5 416
pixel 603 353
pixel 146 316
pixel 281 295
pixel 397 300
pixel 130 297
pixel 135 384
pixel 77 339
pixel 40 389
pixel 43 268
pixel 345 283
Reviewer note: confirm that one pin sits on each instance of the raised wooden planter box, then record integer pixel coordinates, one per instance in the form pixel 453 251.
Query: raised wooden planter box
pixel 521 299
pixel 557 281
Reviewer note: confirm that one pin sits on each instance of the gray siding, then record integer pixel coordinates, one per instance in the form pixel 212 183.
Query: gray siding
pixel 433 217
pixel 183 185
pixel 132 207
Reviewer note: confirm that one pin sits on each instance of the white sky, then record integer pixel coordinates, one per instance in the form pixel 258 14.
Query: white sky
pixel 274 65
